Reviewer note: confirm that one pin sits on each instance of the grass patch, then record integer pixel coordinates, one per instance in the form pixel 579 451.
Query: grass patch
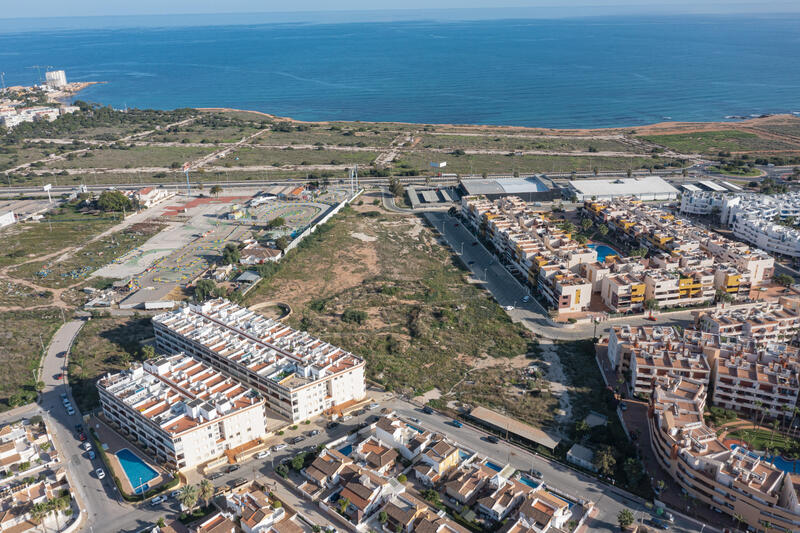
pixel 422 324
pixel 21 338
pixel 16 295
pixel 505 142
pixel 104 345
pixel 730 170
pixel 70 227
pixel 249 156
pixel 81 264
pixel 138 156
pixel 760 439
pixel 712 142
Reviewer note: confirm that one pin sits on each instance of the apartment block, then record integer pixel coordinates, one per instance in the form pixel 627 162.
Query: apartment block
pixel 765 323
pixel 299 376
pixel 702 202
pixel 182 411
pixel 763 381
pixel 736 482
pixel 623 293
pixel 680 361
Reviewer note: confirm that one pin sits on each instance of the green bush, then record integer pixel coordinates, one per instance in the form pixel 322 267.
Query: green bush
pixel 354 316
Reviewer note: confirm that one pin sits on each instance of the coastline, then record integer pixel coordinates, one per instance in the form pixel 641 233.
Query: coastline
pixel 70 90
pixel 658 128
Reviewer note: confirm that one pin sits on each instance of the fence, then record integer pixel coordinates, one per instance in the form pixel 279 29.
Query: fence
pixel 321 221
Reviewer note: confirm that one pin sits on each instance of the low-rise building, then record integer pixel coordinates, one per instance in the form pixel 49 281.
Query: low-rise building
pixel 181 410
pixel 581 456
pixel 765 323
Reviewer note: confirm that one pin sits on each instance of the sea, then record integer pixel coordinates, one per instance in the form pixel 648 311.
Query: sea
pixel 587 72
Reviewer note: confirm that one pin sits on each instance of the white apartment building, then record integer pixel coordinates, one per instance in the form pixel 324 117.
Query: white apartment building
pixel 750 217
pixel 299 375
pixel 765 323
pixel 678 361
pixel 181 410
pixel 701 202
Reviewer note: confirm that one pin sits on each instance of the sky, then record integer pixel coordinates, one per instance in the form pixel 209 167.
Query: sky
pixel 560 8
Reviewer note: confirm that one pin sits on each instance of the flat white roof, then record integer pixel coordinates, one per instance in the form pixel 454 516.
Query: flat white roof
pixel 689 187
pixel 713 186
pixel 732 186
pixel 623 186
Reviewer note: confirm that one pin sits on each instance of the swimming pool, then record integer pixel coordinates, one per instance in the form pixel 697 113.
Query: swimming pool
pixel 347 450
pixel 463 455
pixel 136 470
pixel 415 428
pixel 777 461
pixel 603 251
pixel 529 482
pixel 493 466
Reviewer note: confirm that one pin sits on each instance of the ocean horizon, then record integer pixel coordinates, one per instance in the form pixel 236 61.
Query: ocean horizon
pixel 611 71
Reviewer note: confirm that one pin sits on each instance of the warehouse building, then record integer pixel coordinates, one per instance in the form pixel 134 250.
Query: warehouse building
pixel 530 189
pixel 648 188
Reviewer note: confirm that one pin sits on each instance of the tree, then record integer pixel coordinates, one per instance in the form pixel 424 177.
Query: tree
pixel 586 223
pixel 204 289
pixel 629 173
pixel 205 491
pixel 595 170
pixel 215 190
pixel 281 243
pixel 633 470
pixel 40 386
pixel 625 518
pixel 231 254
pixel 276 222
pixel 397 188
pixel 147 352
pixel 282 470
pixel 188 496
pixel 382 517
pixel 784 280
pixel 354 316
pixel 113 201
pixel 604 460
pixel 402 478
pixel 603 229
pixel 343 504
pixel 651 304
pixel 581 427
pixel 298 461
pixel 161 522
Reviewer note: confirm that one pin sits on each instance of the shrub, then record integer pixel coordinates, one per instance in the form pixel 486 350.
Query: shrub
pixel 354 316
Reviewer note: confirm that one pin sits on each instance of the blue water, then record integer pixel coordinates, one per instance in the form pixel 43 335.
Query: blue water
pixel 529 482
pixel 589 72
pixel 463 455
pixel 415 428
pixel 779 462
pixel 603 251
pixel 347 450
pixel 137 471
pixel 493 466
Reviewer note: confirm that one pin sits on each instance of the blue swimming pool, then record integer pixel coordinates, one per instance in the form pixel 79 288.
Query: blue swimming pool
pixel 347 450
pixel 792 467
pixel 528 481
pixel 415 428
pixel 493 466
pixel 137 471
pixel 603 251
pixel 463 455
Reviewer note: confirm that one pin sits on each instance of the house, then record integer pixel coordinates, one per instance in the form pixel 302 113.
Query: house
pixel 465 484
pixel 377 455
pixel 255 254
pixel 216 523
pixel 581 456
pixel 325 469
pixel 401 512
pixel 505 496
pixel 150 196
pixel 538 513
pixel 408 440
pixel 256 511
pixel 364 491
pixel 436 461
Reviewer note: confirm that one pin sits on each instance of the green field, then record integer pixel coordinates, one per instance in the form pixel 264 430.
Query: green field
pixel 63 227
pixel 509 143
pixel 22 335
pixel 711 142
pixel 345 137
pixel 138 156
pixel 79 265
pixel 423 324
pixel 104 345
pixel 264 156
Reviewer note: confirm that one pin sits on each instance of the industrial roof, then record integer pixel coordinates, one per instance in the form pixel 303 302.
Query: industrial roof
pixel 516 427
pixel 504 186
pixel 713 186
pixel 689 187
pixel 623 186
pixel 731 186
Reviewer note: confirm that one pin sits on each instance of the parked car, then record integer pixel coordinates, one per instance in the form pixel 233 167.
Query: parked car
pixel 492 439
pixel 70 411
pixel 509 308
pixel 158 500
pixel 415 419
pixel 91 455
pixel 427 410
pixel 65 400
pixel 345 418
pixel 280 446
pixel 526 298
pixel 63 396
pixel 174 494
pixel 313 433
pixel 238 481
pixel 373 405
pixel 456 423
pixel 536 473
pixel 332 425
pixel 297 439
pixel 87 446
pixel 100 473
pixel 78 427
pixel 215 475
pixel 232 468
pixel 261 455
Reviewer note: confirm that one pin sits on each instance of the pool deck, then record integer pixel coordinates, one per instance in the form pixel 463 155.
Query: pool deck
pixel 117 442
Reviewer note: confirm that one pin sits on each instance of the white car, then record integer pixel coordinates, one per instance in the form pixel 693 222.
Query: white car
pixel 70 411
pixel 280 446
pixel 509 308
pixel 261 455
pixel 526 298
pixel 87 446
pixel 100 473
pixel 157 500
pixel 175 493
pixel 373 406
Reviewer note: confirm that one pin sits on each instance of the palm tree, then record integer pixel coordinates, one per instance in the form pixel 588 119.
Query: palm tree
pixel 188 497
pixel 772 433
pixel 206 491
pixel 739 520
pixel 651 304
